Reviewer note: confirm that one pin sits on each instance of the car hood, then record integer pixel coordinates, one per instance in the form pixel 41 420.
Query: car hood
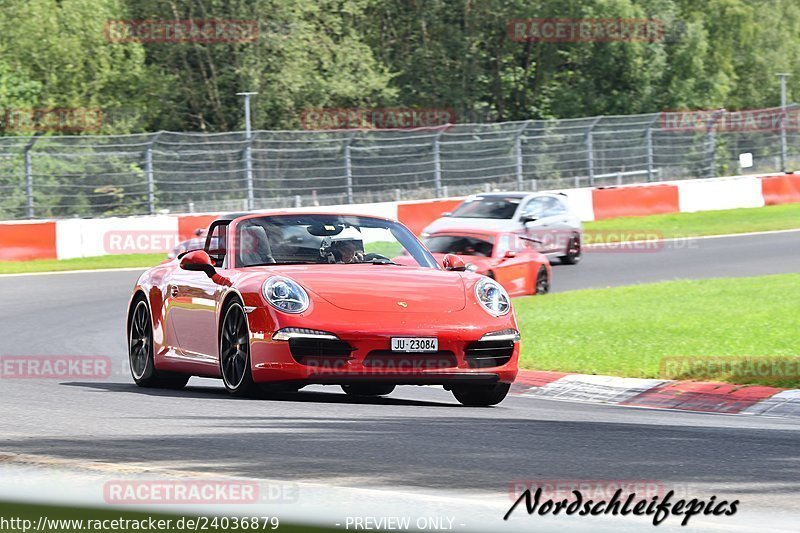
pixel 382 288
pixel 445 223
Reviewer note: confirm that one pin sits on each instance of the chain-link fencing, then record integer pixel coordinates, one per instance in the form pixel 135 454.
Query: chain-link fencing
pixel 87 176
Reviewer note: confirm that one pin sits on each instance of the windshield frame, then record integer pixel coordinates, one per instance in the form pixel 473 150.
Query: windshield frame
pixel 409 242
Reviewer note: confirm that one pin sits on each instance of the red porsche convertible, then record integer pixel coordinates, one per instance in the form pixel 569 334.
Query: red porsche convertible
pixel 509 258
pixel 283 300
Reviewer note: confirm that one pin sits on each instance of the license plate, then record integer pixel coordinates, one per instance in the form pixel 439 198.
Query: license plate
pixel 415 344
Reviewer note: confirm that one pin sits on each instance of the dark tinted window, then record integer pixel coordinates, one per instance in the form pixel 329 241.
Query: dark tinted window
pixel 459 244
pixel 487 207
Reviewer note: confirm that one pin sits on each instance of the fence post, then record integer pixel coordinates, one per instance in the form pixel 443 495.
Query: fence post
pixel 783 140
pixel 248 151
pixel 437 165
pixel 648 139
pixel 518 154
pixel 782 76
pixel 348 168
pixel 711 141
pixel 29 174
pixel 248 167
pixel 148 171
pixel 589 153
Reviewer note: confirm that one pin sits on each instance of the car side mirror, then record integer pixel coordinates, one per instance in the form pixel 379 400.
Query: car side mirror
pixel 454 263
pixel 198 261
pixel 510 254
pixel 529 218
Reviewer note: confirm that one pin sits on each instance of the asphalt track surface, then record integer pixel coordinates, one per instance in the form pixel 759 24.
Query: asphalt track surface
pixel 418 438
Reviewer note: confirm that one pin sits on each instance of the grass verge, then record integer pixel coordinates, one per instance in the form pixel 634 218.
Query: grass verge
pixel 83 263
pixel 675 225
pixel 718 330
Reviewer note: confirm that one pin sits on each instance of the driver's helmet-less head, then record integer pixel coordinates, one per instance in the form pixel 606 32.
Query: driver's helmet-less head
pixel 346 250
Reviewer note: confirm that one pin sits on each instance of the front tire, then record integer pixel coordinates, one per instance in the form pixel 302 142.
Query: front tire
pixel 481 395
pixel 368 389
pixel 234 352
pixel 140 352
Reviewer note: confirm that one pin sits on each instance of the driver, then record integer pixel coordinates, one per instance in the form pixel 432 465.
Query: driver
pixel 347 252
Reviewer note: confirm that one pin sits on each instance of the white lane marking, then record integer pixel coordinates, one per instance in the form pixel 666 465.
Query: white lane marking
pixel 85 271
pixel 689 237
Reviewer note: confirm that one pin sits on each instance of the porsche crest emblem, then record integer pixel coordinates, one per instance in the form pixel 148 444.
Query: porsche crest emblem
pixel 402 304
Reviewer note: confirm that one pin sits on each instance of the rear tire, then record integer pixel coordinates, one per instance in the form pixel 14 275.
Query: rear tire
pixel 234 352
pixel 368 389
pixel 140 352
pixel 574 253
pixel 481 395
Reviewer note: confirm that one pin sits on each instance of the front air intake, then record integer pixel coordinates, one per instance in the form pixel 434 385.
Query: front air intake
pixel 488 354
pixel 314 351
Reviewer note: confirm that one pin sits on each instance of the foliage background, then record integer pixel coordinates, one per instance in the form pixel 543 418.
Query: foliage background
pixel 372 53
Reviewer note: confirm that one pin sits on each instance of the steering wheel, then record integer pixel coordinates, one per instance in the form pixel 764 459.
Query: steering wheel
pixel 368 258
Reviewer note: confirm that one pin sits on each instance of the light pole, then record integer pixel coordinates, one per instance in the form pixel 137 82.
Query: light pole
pixel 248 153
pixel 782 76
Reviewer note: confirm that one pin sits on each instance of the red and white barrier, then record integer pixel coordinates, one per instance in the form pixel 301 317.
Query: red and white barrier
pixel 720 193
pixel 64 239
pixel 21 241
pixel 712 397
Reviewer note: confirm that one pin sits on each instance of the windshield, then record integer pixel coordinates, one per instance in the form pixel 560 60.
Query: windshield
pixel 325 239
pixel 487 207
pixel 460 245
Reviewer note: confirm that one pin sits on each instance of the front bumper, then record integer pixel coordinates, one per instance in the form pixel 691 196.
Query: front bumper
pixel 369 358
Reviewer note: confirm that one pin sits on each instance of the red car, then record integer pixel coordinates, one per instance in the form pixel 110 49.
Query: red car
pixel 288 299
pixel 507 257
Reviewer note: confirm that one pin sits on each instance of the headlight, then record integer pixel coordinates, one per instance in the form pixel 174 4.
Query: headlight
pixel 303 333
pixel 492 297
pixel 285 295
pixel 502 335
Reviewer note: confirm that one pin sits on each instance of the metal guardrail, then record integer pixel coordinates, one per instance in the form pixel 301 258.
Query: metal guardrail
pixel 65 176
